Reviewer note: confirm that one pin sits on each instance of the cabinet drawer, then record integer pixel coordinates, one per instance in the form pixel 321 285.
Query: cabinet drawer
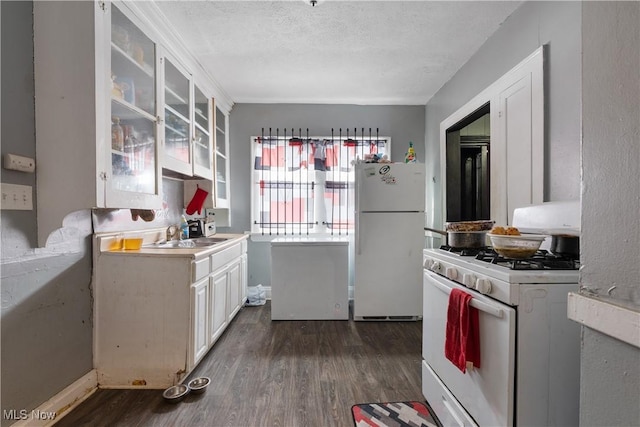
pixel 219 259
pixel 200 269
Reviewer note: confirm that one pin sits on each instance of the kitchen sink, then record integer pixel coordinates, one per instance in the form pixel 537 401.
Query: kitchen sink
pixel 197 242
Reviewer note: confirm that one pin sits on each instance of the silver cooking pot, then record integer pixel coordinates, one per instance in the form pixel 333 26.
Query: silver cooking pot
pixel 466 234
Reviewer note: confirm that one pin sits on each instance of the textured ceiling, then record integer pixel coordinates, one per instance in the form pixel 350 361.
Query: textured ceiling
pixel 338 52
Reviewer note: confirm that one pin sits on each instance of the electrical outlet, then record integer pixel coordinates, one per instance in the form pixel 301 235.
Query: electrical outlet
pixel 16 197
pixel 19 163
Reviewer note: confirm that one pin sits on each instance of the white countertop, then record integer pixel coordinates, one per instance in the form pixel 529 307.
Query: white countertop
pixel 104 240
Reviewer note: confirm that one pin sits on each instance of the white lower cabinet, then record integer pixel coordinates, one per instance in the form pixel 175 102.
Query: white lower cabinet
pixel 200 300
pixel 244 270
pixel 157 314
pixel 234 278
pixel 218 285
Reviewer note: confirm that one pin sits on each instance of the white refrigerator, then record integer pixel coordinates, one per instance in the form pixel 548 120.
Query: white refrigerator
pixel 389 239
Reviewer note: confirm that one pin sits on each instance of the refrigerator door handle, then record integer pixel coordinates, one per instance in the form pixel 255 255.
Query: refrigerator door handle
pixel 357 235
pixel 357 209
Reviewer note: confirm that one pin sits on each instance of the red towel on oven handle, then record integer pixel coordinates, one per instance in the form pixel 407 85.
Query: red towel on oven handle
pixel 462 339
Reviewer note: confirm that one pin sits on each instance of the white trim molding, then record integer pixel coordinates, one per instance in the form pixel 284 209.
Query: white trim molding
pixel 604 315
pixel 51 411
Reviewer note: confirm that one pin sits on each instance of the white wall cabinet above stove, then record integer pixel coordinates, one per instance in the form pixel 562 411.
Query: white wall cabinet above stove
pixel 156 315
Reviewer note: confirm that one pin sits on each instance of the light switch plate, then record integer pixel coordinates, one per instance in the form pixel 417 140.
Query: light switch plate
pixel 16 197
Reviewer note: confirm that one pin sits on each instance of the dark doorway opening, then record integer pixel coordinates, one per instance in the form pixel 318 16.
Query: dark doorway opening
pixel 468 167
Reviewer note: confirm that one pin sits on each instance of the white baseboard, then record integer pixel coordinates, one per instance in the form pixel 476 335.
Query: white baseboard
pixel 61 404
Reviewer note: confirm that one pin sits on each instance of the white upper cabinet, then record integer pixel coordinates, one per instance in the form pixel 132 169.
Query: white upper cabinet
pixel 188 145
pixel 116 105
pixel 134 123
pixel 97 126
pixel 202 134
pixel 221 192
pixel 177 153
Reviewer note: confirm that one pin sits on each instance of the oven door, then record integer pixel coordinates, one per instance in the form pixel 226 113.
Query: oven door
pixel 485 393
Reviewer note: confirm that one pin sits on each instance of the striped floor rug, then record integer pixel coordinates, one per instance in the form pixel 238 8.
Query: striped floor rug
pixel 392 414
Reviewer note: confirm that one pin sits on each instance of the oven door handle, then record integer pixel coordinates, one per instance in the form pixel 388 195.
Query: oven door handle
pixel 482 306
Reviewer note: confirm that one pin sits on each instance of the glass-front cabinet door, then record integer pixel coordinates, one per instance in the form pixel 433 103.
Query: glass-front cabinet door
pixel 134 124
pixel 177 119
pixel 202 146
pixel 221 159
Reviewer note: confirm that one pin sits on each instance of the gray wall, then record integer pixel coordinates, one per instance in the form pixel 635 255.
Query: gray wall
pixel 401 123
pixel 530 26
pixel 46 296
pixel 46 324
pixel 610 248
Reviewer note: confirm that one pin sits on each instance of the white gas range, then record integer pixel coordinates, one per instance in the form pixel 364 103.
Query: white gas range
pixel 530 350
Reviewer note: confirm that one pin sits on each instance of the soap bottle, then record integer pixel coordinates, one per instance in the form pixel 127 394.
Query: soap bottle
pixel 184 228
pixel 410 156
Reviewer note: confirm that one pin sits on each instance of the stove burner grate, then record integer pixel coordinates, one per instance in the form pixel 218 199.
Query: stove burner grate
pixel 462 251
pixel 541 260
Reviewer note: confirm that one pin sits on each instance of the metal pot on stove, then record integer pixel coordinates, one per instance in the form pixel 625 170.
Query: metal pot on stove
pixel 565 245
pixel 466 234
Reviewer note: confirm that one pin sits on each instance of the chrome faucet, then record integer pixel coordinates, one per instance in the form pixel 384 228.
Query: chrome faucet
pixel 173 232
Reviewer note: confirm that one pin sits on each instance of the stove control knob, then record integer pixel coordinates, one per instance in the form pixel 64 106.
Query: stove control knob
pixel 483 286
pixel 435 266
pixel 451 273
pixel 427 263
pixel 469 280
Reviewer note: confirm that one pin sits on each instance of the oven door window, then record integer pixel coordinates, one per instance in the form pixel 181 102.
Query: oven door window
pixel 487 393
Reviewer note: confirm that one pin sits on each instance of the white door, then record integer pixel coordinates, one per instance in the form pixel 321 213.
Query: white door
pixel 389 187
pixel 388 264
pixel 486 393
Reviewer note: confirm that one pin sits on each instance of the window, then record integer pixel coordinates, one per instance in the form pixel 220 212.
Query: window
pixel 306 185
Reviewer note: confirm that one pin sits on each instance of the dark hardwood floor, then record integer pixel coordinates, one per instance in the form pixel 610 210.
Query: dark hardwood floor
pixel 280 373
